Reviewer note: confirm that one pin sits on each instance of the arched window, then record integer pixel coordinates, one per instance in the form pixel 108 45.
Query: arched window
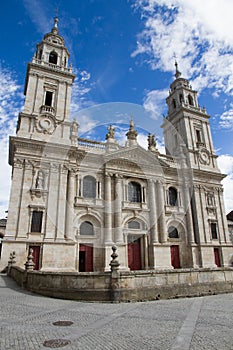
pixel 134 192
pixel 172 196
pixel 174 103
pixel 86 228
pixel 89 187
pixel 53 57
pixel 190 99
pixel 134 225
pixel 172 232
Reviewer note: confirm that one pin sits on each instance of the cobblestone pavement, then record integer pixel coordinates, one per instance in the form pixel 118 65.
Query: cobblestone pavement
pixel 26 323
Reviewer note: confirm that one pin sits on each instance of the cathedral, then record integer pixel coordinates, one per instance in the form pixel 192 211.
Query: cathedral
pixel 72 198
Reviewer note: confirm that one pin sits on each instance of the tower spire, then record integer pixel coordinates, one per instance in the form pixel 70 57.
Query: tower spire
pixel 55 27
pixel 178 73
pixel 131 134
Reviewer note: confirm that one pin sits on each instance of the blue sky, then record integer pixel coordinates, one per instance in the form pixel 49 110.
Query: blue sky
pixel 122 53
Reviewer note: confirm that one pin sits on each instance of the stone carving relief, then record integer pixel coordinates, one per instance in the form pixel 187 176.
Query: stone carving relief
pixel 204 157
pixel 45 124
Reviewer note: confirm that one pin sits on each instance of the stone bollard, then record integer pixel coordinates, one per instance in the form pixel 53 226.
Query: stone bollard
pixel 11 261
pixel 114 288
pixel 29 265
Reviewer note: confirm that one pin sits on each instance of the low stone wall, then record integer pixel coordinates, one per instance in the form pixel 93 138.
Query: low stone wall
pixel 126 286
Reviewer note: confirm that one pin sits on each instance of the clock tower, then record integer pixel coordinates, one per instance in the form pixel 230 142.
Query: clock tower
pixel 48 84
pixel 188 140
pixel 187 124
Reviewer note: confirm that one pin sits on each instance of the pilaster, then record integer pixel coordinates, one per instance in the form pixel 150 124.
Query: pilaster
pixel 153 213
pixel 118 209
pixel 69 234
pixel 161 213
pixel 108 209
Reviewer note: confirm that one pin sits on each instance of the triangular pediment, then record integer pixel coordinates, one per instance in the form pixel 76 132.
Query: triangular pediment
pixel 135 156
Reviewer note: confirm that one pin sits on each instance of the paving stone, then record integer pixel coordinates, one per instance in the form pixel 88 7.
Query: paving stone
pixel 26 323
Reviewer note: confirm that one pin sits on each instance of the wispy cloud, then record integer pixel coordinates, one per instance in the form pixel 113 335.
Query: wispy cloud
pixel 154 102
pixel 38 14
pixel 198 32
pixel 226 119
pixel 80 90
pixel 225 163
pixel 11 100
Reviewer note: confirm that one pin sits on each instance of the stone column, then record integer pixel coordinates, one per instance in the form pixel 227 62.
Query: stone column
pixel 223 228
pixel 146 252
pixel 53 190
pixel 161 213
pixel 62 204
pixel 108 209
pixel 70 205
pixel 99 190
pixel 15 200
pixel 153 213
pixel 189 219
pixel 118 209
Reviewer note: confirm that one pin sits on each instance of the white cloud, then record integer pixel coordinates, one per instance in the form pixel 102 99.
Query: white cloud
pixel 226 119
pixel 225 163
pixel 154 102
pixel 11 99
pixel 38 15
pixel 86 123
pixel 142 140
pixel 81 88
pixel 198 32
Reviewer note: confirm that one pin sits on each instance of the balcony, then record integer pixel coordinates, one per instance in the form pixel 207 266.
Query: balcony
pixel 47 110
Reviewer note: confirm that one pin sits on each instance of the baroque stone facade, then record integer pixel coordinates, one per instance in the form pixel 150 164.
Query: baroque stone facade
pixel 72 199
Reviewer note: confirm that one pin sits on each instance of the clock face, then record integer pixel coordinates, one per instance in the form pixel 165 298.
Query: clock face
pixel 45 124
pixel 204 157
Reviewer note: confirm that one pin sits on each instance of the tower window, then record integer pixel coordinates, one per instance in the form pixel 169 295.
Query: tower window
pixel 86 228
pixel 48 98
pixel 36 223
pixel 213 228
pixel 198 135
pixel 134 192
pixel 89 187
pixel 190 99
pixel 53 57
pixel 172 196
pixel 40 54
pixel 174 103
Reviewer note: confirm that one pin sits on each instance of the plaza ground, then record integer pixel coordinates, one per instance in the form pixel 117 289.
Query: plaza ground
pixel 27 322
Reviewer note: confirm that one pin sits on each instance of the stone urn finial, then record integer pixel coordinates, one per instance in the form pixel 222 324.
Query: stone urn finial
pixel 29 265
pixel 114 262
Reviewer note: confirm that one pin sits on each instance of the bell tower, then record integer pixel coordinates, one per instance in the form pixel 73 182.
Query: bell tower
pixel 187 125
pixel 47 91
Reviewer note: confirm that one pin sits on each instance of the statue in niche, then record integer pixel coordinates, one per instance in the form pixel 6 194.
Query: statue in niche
pixel 210 200
pixel 40 180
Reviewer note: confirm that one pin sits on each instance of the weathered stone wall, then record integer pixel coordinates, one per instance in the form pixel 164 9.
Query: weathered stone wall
pixel 126 286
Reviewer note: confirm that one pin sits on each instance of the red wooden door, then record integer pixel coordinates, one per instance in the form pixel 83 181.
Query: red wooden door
pixel 85 258
pixel 134 255
pixel 217 257
pixel 36 256
pixel 175 256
